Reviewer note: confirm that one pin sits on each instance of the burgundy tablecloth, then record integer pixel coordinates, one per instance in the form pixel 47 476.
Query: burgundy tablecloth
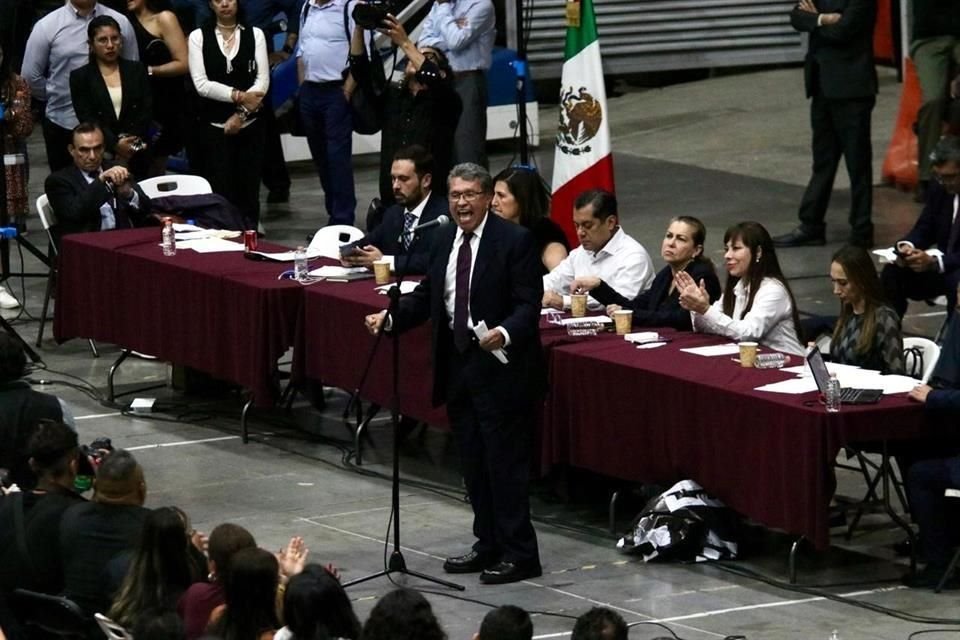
pixel 217 312
pixel 335 346
pixel 661 415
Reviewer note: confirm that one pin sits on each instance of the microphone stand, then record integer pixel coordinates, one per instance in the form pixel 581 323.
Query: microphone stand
pixel 396 563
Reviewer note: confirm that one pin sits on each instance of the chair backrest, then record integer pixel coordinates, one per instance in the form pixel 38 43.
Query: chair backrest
pixel 54 614
pixel 328 240
pixel 175 185
pixel 824 341
pixel 45 211
pixel 920 356
pixel 111 629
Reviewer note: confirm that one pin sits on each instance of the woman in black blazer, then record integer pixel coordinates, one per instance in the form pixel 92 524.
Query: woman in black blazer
pixel 659 306
pixel 114 93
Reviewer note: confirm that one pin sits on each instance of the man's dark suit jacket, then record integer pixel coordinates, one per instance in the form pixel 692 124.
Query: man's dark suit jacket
pixel 946 375
pixel 839 62
pixel 932 228
pixel 76 204
pixel 655 307
pixel 91 100
pixel 506 290
pixel 386 236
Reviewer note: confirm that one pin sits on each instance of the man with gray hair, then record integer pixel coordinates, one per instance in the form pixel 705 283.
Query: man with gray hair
pixel 928 258
pixel 482 292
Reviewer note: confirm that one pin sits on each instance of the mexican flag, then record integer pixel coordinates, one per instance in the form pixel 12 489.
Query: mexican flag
pixel 582 159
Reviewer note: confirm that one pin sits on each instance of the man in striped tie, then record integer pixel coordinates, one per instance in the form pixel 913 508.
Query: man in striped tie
pixel 411 175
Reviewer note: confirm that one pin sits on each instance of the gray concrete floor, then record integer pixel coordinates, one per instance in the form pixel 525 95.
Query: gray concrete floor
pixel 725 149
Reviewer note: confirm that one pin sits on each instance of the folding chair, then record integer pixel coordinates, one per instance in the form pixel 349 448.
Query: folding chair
pixel 920 357
pixel 55 615
pixel 175 185
pixel 111 629
pixel 49 220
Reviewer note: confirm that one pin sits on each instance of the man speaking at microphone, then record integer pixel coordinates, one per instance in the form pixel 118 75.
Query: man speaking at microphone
pixel 482 292
pixel 411 175
pixel 93 195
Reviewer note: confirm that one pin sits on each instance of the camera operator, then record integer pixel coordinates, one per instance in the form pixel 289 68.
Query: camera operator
pixel 92 195
pixel 325 90
pixel 423 109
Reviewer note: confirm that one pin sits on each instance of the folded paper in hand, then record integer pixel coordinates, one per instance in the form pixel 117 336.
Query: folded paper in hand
pixel 407 286
pixel 481 330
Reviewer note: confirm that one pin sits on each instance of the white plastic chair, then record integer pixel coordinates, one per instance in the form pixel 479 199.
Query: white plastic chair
pixel 49 220
pixel 175 185
pixel 920 367
pixel 824 341
pixel 328 240
pixel 111 629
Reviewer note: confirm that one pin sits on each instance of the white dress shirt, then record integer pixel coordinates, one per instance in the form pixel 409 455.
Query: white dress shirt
pixel 417 211
pixel 464 30
pixel 622 263
pixel 323 45
pixel 769 321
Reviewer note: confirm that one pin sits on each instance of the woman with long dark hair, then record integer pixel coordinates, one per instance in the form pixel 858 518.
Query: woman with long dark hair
pixel 867 334
pixel 114 93
pixel 160 571
pixel 163 48
pixel 316 607
pixel 659 306
pixel 757 304
pixel 16 123
pixel 520 196
pixel 250 612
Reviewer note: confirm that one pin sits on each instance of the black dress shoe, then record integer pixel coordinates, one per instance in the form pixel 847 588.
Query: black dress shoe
pixel 800 237
pixel 505 572
pixel 929 577
pixel 903 549
pixel 472 562
pixel 278 196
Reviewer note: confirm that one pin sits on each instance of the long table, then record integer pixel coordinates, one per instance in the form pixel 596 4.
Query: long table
pixel 218 313
pixel 651 415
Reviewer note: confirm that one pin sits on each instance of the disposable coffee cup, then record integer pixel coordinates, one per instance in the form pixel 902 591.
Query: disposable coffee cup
pixel 381 271
pixel 748 354
pixel 578 305
pixel 623 319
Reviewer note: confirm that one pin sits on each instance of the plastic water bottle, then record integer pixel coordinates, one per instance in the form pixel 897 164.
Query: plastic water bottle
pixel 771 361
pixel 832 396
pixel 300 266
pixel 168 238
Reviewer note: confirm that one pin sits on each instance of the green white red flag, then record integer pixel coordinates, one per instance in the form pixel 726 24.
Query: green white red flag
pixel 582 156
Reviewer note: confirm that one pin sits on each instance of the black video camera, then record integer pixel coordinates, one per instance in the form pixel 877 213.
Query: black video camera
pixel 370 15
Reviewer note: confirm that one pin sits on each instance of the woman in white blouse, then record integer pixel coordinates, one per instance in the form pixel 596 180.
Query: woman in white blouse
pixel 228 64
pixel 756 304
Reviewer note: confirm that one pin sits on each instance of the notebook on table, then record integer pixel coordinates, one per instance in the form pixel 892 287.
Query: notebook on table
pixel 848 395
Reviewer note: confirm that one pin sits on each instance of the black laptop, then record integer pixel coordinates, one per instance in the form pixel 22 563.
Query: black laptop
pixel 848 395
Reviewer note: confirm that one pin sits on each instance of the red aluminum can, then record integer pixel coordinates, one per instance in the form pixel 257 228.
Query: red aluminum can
pixel 250 241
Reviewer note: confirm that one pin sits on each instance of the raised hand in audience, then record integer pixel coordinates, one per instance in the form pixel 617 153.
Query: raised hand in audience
pixel 293 557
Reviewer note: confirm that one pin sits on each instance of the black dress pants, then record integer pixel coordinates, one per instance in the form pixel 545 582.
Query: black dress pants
pixel 840 128
pixel 233 165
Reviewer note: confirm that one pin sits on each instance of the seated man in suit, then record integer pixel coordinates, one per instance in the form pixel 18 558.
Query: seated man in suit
pixel 928 479
pixel 92 195
pixel 605 251
pixel 412 175
pixel 928 262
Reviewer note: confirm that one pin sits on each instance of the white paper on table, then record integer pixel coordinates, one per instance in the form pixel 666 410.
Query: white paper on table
pixel 335 271
pixel 587 320
pixel 832 367
pixel 548 310
pixel 893 384
pixel 480 330
pixel 407 286
pixel 793 386
pixel 651 345
pixel 284 256
pixel 180 226
pixel 210 245
pixel 715 350
pixel 206 233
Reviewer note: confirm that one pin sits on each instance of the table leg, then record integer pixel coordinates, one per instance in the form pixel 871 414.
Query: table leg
pixel 362 426
pixel 111 396
pixel 244 434
pixel 792 561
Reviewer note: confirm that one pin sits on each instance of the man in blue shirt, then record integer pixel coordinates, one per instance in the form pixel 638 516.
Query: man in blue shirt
pixel 465 30
pixel 56 46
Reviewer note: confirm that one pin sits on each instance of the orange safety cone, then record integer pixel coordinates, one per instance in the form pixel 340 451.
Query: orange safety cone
pixel 900 163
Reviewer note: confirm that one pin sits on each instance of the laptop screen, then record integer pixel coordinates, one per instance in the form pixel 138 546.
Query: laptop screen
pixel 819 368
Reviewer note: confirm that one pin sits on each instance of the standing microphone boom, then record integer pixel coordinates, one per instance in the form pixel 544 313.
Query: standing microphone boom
pixel 439 221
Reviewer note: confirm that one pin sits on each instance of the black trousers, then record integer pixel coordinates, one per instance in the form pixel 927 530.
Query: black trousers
pixel 275 174
pixel 841 128
pixel 233 165
pixel 56 139
pixel 495 438
pixel 900 285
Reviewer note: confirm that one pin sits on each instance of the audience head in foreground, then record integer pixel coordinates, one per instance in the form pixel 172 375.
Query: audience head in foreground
pixel 251 594
pixel 120 480
pixel 316 607
pixel 600 623
pixel 505 623
pixel 403 614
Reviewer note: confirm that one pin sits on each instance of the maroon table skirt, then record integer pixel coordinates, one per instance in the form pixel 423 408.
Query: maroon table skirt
pixel 218 313
pixel 661 415
pixel 335 346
